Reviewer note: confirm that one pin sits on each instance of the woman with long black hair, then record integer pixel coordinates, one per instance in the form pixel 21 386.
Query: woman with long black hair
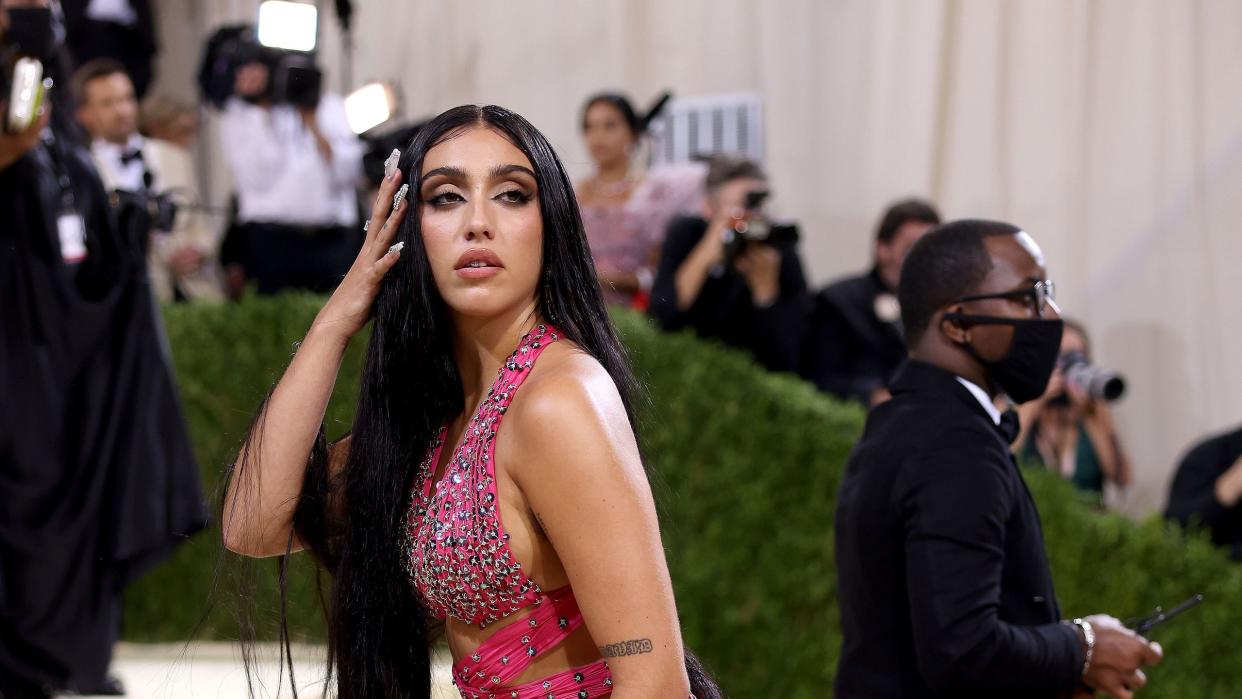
pixel 492 477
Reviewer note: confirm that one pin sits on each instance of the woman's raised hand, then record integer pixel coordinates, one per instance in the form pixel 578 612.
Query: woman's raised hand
pixel 349 307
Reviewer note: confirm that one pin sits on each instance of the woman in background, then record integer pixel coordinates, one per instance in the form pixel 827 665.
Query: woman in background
pixel 1070 432
pixel 624 210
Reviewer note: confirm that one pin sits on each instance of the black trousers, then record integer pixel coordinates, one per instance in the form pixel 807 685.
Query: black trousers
pixel 282 257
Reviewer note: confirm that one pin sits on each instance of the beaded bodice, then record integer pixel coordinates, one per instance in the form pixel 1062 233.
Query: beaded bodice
pixel 457 551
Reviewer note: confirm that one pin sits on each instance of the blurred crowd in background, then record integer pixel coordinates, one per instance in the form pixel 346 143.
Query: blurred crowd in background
pixel 695 245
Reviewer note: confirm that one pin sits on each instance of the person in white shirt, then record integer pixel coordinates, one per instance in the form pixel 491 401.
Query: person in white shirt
pixel 296 171
pixel 181 262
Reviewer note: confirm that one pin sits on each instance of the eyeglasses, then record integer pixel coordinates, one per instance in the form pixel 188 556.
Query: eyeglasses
pixel 1043 295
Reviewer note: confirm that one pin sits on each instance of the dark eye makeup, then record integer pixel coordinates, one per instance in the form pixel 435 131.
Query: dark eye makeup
pixel 513 196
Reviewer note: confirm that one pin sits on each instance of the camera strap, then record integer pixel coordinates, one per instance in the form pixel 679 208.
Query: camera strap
pixel 70 226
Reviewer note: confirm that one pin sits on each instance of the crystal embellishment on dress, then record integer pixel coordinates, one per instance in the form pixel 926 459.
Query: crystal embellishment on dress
pixel 456 551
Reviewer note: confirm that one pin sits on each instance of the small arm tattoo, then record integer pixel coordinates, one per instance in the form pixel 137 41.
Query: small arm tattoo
pixel 617 650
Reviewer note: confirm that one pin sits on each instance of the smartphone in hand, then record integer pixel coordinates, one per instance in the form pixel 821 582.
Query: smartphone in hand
pixel 1145 624
pixel 26 94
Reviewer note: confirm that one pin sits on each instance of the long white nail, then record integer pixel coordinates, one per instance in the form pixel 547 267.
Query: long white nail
pixel 390 165
pixel 397 247
pixel 400 196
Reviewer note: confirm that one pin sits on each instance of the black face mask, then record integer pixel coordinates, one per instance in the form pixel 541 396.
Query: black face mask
pixel 1024 371
pixel 35 32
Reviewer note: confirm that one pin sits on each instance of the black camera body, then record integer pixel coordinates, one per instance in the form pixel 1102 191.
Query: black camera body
pixel 293 77
pixel 758 230
pixel 146 210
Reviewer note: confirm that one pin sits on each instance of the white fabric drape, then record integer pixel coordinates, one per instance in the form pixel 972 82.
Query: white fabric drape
pixel 1110 130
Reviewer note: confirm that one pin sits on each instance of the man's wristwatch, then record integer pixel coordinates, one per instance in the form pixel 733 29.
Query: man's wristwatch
pixel 1088 642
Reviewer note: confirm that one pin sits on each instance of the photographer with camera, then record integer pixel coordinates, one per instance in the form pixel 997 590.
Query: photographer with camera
pixel 734 275
pixel 1070 428
pixel 295 165
pixel 97 478
pixel 152 176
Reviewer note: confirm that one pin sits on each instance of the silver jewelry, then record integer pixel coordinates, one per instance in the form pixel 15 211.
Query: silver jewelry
pixel 366 226
pixel 396 200
pixel 1088 640
pixel 390 165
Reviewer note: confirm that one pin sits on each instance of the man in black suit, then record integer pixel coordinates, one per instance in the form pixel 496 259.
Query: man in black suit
pixel 945 587
pixel 854 340
pixel 1207 490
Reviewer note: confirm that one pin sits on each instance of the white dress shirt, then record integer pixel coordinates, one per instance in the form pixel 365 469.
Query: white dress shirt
pixel 983 398
pixel 172 170
pixel 114 171
pixel 278 172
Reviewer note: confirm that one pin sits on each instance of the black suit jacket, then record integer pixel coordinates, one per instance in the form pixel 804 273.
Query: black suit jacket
pixel 944 583
pixel 1192 497
pixel 850 352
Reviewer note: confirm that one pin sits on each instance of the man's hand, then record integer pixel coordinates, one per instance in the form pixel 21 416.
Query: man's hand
pixel 310 120
pixel 1229 485
pixel 879 396
pixel 1120 654
pixel 760 266
pixel 14 145
pixel 251 80
pixel 185 260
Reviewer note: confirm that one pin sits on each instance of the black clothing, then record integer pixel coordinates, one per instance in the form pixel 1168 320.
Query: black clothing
pixel 850 351
pixel 280 257
pixel 1192 498
pixel 97 479
pixel 945 588
pixel 134 45
pixel 724 308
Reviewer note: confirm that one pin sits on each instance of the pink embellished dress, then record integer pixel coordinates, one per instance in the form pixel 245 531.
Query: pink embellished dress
pixel 626 237
pixel 460 564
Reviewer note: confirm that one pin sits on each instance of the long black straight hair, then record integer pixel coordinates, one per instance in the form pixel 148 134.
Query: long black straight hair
pixel 410 387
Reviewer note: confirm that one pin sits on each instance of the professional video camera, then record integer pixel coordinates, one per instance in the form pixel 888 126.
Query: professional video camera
pixel 283 41
pixel 1090 379
pixel 757 228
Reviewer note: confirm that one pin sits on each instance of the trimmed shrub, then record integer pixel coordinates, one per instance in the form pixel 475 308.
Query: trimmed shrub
pixel 745 467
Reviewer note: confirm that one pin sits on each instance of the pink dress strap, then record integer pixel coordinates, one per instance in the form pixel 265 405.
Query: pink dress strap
pixel 488 671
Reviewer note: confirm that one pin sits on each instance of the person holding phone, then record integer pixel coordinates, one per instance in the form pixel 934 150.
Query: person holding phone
pixel 97 478
pixel 722 279
pixel 945 586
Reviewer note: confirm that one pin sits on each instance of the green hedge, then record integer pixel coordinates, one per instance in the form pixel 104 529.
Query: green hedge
pixel 745 468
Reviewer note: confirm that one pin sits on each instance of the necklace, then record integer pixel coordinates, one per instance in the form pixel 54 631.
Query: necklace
pixel 613 189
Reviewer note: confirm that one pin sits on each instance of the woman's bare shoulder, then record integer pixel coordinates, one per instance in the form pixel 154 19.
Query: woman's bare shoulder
pixel 568 396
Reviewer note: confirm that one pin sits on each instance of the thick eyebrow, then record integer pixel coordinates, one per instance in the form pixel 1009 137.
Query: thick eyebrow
pixel 505 170
pixel 453 173
pixel 456 173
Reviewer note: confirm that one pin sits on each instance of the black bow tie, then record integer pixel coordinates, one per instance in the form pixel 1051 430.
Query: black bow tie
pixel 131 156
pixel 1009 426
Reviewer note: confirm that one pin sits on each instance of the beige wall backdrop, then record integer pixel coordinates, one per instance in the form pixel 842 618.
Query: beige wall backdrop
pixel 1112 131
